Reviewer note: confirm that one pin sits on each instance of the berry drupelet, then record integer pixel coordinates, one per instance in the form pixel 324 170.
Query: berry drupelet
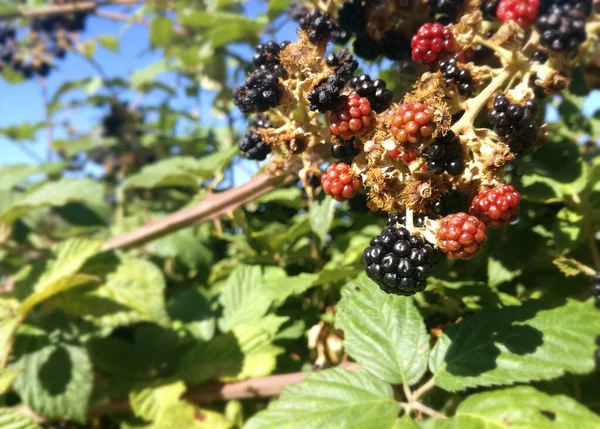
pixel 453 201
pixel 266 57
pixel 445 154
pixel 412 123
pixel 562 28
pixel 318 26
pixel 260 92
pixel 496 206
pixel 523 12
pixel 352 117
pixel 343 63
pixel 374 90
pixel 400 262
pixel 345 151
pixel 490 9
pixel 458 76
pixel 327 94
pixel 515 121
pixel 461 236
pixel 339 182
pixel 253 147
pixel 431 42
pixel 400 219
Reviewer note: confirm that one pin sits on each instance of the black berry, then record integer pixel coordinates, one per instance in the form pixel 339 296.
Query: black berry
pixel 400 219
pixel 515 122
pixel 489 9
pixel 352 16
pixel 253 147
pixel 260 92
pixel 447 9
pixel 345 151
pixel 318 26
pixel 343 63
pixel 374 90
pixel 451 202
pixel 445 154
pixel 366 48
pixel 458 76
pixel 562 27
pixel 327 94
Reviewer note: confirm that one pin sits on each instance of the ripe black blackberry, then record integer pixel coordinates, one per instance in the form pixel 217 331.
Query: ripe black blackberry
pixel 327 94
pixel 445 8
pixel 266 57
pixel 445 154
pixel 400 262
pixel 318 25
pixel 453 201
pixel 458 76
pixel 253 147
pixel 374 90
pixel 365 47
pixel 261 121
pixel 489 9
pixel 297 10
pixel 345 151
pixel 400 219
pixel 352 16
pixel 595 286
pixel 260 92
pixel 344 64
pixel 515 122
pixel 539 57
pixel 562 28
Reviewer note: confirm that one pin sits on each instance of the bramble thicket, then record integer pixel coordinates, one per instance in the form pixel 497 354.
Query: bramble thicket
pixel 417 245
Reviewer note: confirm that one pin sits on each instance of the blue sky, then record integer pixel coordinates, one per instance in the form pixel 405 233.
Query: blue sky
pixel 22 102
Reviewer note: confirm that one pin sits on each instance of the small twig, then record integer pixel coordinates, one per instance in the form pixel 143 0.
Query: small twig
pixel 426 387
pixel 426 410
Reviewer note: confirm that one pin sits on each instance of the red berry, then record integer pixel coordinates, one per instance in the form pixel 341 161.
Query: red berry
pixel 461 236
pixel 431 42
pixel 523 12
pixel 412 123
pixel 394 153
pixel 339 182
pixel 496 206
pixel 353 117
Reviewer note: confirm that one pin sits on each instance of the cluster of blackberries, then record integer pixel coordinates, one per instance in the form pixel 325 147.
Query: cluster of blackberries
pixel 458 76
pixel 562 25
pixel 319 26
pixel 400 262
pixel 445 154
pixel 453 201
pixel 345 151
pixel 445 11
pixel 11 56
pixel 327 94
pixel 374 90
pixel 352 18
pixel 595 285
pixel 253 147
pixel 514 121
pixel 260 92
pixel 266 57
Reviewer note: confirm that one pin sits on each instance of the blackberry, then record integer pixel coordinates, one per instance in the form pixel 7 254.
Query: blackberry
pixel 453 201
pixel 394 46
pixel 352 16
pixel 458 76
pixel 253 147
pixel 539 57
pixel 261 91
pixel 400 262
pixel 266 57
pixel 297 10
pixel 562 27
pixel 318 26
pixel 515 122
pixel 261 121
pixel 445 154
pixel 345 151
pixel 489 9
pixel 344 64
pixel 374 90
pixel 400 219
pixel 446 8
pixel 327 94
pixel 365 47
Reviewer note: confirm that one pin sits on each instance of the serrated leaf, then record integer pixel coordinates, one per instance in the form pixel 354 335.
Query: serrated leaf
pixel 498 273
pixel 384 333
pixel 9 322
pixel 520 408
pixel 536 341
pixel 568 229
pixel 7 377
pixel 334 398
pixel 150 402
pixel 133 293
pixel 321 215
pixel 11 418
pixel 244 300
pixel 56 379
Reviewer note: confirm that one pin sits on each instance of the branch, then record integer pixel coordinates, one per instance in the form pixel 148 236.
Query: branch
pixel 81 6
pixel 212 207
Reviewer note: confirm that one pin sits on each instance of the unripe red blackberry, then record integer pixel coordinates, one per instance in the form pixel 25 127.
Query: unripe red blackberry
pixel 431 42
pixel 412 123
pixel 400 262
pixel 375 91
pixel 345 151
pixel 523 12
pixel 340 182
pixel 496 206
pixel 461 236
pixel 353 117
pixel 253 147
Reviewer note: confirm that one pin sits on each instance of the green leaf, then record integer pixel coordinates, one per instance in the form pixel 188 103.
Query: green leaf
pixel 571 267
pixel 520 408
pixel 109 42
pixel 185 415
pixel 244 299
pixel 191 308
pixel 186 247
pixel 321 215
pixel 61 273
pixel 134 293
pixel 7 377
pixel 406 423
pixel 536 341
pixel 55 194
pixel 334 398
pixel 384 333
pixel 25 131
pixel 88 48
pixel 11 418
pixel 150 402
pixel 56 379
pixel 568 230
pixel 161 31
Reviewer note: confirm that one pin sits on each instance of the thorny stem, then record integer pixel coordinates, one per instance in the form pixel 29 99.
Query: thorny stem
pixel 430 384
pixel 426 410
